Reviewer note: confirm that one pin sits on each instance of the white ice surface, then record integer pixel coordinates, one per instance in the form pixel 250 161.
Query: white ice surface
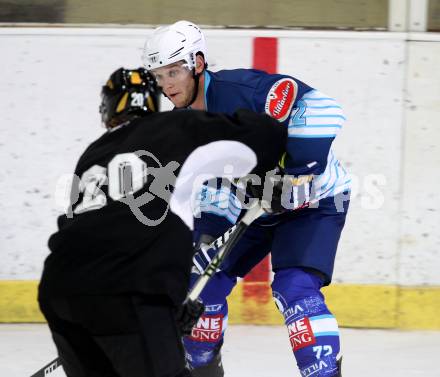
pixel 257 351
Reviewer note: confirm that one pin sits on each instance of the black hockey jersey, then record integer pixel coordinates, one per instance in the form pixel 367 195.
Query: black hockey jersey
pixel 119 235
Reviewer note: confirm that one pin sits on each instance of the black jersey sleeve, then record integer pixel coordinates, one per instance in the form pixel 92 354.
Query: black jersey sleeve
pixel 225 146
pixel 264 135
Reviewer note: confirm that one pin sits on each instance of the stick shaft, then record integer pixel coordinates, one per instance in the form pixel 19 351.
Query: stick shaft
pixel 226 242
pixel 49 368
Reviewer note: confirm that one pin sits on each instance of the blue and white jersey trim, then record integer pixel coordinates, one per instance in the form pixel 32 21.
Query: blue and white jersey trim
pixel 316 116
pixel 333 181
pixel 218 201
pixel 320 116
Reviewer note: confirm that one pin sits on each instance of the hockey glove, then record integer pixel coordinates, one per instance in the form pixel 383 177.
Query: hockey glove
pixel 269 193
pixel 286 189
pixel 188 315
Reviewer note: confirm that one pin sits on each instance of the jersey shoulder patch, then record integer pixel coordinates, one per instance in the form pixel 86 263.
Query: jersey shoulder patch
pixel 280 98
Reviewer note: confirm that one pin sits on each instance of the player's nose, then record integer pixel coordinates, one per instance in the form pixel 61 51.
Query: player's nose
pixel 168 85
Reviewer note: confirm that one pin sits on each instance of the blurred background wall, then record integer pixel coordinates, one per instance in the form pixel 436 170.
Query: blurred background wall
pixel 314 13
pixel 319 14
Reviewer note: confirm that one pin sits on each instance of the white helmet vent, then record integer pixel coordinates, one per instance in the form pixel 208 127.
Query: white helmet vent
pixel 175 53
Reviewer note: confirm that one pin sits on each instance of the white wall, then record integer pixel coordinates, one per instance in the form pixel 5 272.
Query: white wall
pixel 420 217
pixel 389 87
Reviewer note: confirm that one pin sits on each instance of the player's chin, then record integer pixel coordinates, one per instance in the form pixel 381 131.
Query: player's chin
pixel 179 101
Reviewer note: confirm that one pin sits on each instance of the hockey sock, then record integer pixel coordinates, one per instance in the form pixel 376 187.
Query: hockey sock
pixel 313 330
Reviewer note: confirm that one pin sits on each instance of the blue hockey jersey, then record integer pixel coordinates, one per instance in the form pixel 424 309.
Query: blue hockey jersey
pixel 313 120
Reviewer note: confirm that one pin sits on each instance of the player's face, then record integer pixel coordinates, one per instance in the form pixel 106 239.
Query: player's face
pixel 177 82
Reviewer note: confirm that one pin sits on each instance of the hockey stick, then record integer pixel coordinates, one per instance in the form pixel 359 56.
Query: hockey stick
pixel 224 243
pixel 49 368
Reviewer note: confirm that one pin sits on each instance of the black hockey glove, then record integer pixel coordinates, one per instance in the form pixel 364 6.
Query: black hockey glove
pixel 188 315
pixel 286 189
pixel 269 192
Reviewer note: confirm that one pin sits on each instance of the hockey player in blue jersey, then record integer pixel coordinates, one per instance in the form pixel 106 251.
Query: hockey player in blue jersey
pixel 302 236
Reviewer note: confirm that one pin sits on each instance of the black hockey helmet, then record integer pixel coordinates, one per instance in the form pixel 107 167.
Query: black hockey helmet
pixel 128 94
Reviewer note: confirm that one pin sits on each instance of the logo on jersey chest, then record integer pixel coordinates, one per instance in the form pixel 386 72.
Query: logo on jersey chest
pixel 300 333
pixel 281 98
pixel 208 328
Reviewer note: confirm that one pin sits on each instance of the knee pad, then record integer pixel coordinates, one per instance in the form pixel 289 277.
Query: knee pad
pixel 206 338
pixel 313 330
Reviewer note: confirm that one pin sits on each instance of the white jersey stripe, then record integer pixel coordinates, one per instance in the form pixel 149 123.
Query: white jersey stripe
pixel 320 132
pixel 324 325
pixel 324 107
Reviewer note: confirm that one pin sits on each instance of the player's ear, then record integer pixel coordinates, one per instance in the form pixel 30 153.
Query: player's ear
pixel 200 64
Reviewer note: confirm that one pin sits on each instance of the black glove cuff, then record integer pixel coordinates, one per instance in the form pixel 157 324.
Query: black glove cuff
pixel 188 315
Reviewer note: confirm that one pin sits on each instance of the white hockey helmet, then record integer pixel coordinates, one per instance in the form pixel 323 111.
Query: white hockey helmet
pixel 170 44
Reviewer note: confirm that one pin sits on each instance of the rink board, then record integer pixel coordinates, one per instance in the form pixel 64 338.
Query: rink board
pixel 372 306
pixel 387 265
